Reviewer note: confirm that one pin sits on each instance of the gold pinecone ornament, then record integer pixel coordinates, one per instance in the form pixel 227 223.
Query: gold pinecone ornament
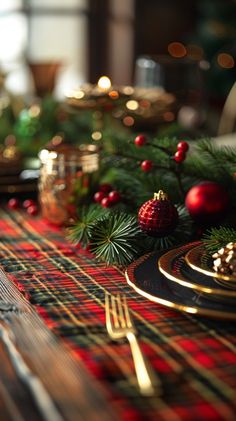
pixel 225 260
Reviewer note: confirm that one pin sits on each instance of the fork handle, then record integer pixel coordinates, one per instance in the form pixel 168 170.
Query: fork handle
pixel 149 383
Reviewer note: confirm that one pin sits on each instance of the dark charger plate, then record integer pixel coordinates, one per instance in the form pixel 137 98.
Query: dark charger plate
pixel 145 278
pixel 173 265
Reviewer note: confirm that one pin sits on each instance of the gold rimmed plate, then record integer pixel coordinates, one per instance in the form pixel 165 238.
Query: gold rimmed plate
pixel 199 260
pixel 173 265
pixel 146 279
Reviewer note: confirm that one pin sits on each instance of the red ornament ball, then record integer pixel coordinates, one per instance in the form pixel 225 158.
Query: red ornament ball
pixel 32 210
pixel 179 156
pixel 183 146
pixel 106 203
pixel 146 165
pixel 13 203
pixel 158 217
pixel 27 203
pixel 98 196
pixel 140 140
pixel 114 197
pixel 207 202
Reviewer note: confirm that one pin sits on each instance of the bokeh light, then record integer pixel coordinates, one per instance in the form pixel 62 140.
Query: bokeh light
pixel 168 116
pixel 114 95
pixel 128 121
pixel 225 60
pixel 132 105
pixel 96 135
pixel 177 49
pixel 104 82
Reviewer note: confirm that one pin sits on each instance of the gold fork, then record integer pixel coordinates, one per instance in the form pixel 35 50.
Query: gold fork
pixel 120 325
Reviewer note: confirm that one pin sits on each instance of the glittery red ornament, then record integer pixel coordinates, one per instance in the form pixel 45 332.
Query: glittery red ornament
pixel 207 202
pixel 158 217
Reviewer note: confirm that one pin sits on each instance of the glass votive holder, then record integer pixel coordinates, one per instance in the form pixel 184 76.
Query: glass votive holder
pixel 65 179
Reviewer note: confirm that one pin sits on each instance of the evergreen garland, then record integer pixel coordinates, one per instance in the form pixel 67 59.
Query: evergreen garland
pixel 114 235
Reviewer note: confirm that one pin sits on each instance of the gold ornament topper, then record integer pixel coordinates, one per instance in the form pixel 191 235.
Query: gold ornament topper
pixel 160 195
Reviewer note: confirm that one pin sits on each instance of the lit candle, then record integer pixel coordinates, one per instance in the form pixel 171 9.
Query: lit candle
pixel 104 84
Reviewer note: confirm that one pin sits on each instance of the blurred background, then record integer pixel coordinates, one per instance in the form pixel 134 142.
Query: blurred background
pixel 185 47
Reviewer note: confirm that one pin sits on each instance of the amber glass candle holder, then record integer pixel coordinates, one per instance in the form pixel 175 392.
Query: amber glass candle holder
pixel 65 179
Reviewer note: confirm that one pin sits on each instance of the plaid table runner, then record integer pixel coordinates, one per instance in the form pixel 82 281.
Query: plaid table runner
pixel 195 357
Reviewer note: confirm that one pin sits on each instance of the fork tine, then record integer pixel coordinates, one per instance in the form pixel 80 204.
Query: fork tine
pixel 121 312
pixel 127 313
pixel 119 325
pixel 108 315
pixel 115 313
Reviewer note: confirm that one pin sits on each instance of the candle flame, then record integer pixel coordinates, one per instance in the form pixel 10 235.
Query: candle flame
pixel 104 82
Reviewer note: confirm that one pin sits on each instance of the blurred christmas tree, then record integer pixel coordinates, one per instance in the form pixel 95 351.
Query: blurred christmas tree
pixel 215 34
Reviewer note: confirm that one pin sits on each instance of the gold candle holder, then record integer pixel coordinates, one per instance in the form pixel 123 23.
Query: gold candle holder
pixel 138 108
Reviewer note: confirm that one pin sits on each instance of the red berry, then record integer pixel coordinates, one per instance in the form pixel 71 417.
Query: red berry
pixel 13 203
pixel 140 140
pixel 99 195
pixel 179 156
pixel 27 203
pixel 105 188
pixel 146 165
pixel 183 146
pixel 106 203
pixel 114 196
pixel 32 210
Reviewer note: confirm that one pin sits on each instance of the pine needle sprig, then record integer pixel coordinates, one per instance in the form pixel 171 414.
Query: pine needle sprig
pixel 216 238
pixel 114 239
pixel 80 231
pixel 220 161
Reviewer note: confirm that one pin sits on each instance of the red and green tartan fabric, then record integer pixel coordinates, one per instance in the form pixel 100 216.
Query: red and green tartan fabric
pixel 195 357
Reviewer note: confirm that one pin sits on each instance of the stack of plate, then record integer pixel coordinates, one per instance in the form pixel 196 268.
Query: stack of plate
pixel 183 278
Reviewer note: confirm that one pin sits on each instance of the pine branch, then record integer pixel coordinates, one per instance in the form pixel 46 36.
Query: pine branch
pixel 216 238
pixel 211 162
pixel 80 231
pixel 114 239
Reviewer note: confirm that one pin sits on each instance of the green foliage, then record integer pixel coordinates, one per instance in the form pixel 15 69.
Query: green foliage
pixel 114 239
pixel 115 236
pixel 7 120
pixel 80 232
pixel 216 238
pixel 34 130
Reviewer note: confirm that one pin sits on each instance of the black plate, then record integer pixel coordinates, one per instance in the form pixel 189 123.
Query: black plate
pixel 144 276
pixel 174 266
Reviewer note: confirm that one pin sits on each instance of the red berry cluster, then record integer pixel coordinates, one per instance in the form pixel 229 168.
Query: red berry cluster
pixel 106 196
pixel 182 149
pixel 29 205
